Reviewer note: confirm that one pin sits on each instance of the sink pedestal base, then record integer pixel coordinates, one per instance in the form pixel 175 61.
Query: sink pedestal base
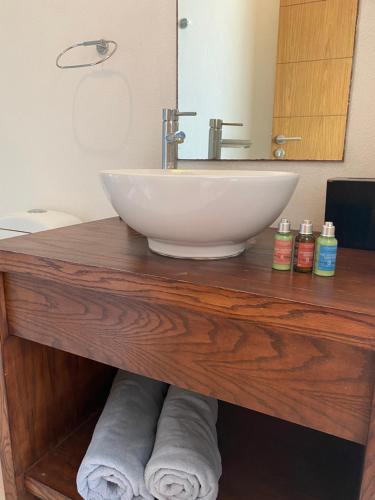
pixel 179 250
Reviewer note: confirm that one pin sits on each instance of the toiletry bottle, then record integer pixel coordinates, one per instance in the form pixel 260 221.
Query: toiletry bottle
pixel 326 251
pixel 283 247
pixel 304 248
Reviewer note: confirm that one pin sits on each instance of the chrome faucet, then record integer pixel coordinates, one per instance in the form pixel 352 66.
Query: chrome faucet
pixel 172 136
pixel 216 141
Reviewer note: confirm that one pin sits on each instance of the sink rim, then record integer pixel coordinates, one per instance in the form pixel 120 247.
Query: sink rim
pixel 201 173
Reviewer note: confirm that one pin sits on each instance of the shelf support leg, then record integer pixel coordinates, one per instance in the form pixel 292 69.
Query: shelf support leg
pixel 368 479
pixel 7 463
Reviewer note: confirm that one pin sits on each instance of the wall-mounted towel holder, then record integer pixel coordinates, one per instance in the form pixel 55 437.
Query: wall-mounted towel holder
pixel 103 48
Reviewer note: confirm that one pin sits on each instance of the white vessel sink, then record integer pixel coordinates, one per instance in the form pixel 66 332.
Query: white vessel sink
pixel 198 214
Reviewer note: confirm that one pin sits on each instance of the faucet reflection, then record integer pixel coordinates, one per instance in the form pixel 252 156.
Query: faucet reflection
pixel 216 141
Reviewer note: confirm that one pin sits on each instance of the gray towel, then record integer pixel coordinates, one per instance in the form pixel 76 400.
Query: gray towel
pixel 113 467
pixel 185 463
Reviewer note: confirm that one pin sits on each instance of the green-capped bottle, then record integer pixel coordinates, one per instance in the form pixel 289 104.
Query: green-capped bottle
pixel 326 251
pixel 283 247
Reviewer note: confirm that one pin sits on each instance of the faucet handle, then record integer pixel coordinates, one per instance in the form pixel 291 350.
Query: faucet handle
pixel 218 123
pixel 178 137
pixel 235 124
pixel 173 114
pixel 186 113
pixel 281 139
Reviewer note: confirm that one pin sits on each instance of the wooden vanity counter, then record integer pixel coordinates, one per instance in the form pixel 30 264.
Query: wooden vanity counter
pixel 80 300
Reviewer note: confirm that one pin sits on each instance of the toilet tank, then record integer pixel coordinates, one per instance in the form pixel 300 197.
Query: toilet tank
pixel 33 221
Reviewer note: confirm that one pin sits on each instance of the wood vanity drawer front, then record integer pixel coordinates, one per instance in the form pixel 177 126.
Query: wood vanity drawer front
pixel 314 382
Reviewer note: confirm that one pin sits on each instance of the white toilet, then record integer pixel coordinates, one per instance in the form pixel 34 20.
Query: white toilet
pixel 33 221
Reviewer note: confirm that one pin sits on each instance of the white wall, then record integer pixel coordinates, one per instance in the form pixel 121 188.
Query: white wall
pixel 227 67
pixel 58 129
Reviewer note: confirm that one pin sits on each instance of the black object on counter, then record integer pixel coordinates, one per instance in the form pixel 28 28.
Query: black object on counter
pixel 350 204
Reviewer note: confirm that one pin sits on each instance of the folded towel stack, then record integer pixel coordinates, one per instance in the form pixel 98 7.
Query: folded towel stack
pixel 185 463
pixel 113 467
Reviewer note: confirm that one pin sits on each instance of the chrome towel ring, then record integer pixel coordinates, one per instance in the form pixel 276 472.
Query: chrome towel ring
pixel 102 47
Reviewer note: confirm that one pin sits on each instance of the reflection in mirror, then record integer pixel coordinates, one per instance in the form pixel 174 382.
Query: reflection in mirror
pixel 227 64
pixel 268 79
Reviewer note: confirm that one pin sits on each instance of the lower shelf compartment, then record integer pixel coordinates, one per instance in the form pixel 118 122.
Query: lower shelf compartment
pixel 263 459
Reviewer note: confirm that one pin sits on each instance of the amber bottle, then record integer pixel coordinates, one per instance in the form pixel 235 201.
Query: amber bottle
pixel 304 248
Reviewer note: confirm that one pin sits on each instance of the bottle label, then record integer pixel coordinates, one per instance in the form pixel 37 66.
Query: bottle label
pixel 283 252
pixel 327 257
pixel 305 255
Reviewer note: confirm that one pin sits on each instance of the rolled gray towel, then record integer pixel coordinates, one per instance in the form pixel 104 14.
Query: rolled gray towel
pixel 186 462
pixel 113 467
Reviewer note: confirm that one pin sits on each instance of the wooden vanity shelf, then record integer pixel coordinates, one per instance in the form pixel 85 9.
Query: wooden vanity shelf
pixel 263 459
pixel 294 354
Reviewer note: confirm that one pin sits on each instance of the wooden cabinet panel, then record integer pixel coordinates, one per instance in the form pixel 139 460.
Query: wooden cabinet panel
pixel 314 131
pixel 294 346
pixel 317 30
pixel 316 383
pixel 42 380
pixel 368 480
pixel 318 88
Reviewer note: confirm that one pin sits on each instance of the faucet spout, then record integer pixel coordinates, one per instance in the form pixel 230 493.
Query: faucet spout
pixel 216 142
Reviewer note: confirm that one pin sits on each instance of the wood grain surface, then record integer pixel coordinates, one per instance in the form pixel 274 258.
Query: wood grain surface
pixel 45 394
pixel 285 3
pixel 317 383
pixel 368 480
pixel 107 255
pixel 313 77
pixel 49 392
pixel 317 30
pixel 314 130
pixel 7 464
pixel 313 88
pixel 54 476
pixel 297 347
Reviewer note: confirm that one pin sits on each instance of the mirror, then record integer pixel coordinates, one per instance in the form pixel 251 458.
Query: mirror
pixel 269 79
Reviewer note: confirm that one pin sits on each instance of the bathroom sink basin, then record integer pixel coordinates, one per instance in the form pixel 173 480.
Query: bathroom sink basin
pixel 198 214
